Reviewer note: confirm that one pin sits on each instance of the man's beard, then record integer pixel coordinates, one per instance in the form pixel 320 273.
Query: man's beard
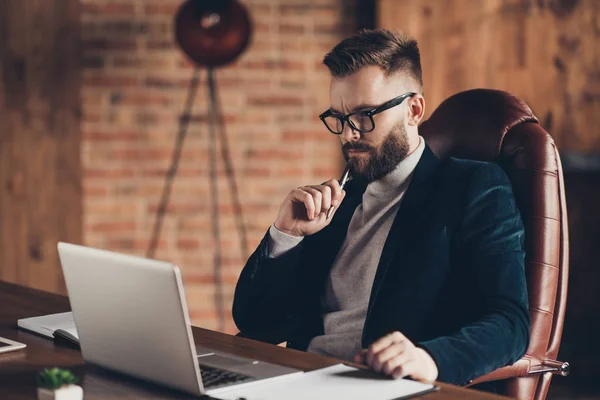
pixel 382 160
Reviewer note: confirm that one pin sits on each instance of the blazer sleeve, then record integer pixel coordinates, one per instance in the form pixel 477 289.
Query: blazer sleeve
pixel 491 236
pixel 263 294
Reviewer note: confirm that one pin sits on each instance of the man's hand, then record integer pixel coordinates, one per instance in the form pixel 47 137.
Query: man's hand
pixel 395 355
pixel 304 210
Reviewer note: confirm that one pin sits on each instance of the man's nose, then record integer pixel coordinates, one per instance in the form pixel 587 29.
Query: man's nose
pixel 348 134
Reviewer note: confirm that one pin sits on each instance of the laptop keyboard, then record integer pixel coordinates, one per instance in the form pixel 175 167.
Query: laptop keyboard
pixel 214 377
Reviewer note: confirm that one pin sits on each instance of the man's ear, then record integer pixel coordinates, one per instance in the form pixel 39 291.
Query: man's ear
pixel 416 109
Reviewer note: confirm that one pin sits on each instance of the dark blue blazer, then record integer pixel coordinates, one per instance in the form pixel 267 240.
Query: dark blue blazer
pixel 451 275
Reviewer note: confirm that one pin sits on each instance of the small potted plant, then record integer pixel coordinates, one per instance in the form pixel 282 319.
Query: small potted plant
pixel 58 384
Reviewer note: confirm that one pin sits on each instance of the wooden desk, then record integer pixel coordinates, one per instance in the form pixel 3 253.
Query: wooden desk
pixel 18 369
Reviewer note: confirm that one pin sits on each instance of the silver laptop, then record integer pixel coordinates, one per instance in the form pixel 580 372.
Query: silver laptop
pixel 131 316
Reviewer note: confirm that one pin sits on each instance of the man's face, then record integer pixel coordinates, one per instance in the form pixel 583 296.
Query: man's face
pixel 374 154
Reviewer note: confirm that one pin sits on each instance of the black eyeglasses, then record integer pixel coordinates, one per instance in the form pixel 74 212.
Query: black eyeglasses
pixel 361 121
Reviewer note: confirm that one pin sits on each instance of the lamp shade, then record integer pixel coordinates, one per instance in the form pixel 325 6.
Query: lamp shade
pixel 212 33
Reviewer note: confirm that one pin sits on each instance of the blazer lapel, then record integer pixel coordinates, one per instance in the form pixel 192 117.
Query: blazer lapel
pixel 413 211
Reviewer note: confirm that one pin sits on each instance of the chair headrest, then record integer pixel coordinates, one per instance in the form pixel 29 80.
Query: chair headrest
pixel 472 124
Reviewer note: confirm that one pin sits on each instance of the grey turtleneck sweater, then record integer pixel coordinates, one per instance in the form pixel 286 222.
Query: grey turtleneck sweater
pixel 349 285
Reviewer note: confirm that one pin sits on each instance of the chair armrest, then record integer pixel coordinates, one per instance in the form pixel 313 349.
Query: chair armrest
pixel 527 365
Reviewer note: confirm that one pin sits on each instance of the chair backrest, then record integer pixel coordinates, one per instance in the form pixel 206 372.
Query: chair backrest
pixel 491 125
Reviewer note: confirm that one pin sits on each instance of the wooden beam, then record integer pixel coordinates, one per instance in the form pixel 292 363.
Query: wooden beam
pixel 40 169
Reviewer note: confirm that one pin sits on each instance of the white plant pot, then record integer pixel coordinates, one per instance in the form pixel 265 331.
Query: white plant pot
pixel 67 392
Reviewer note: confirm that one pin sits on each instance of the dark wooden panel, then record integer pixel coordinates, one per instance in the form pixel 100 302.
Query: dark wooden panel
pixel 579 343
pixel 546 52
pixel 40 169
pixel 18 369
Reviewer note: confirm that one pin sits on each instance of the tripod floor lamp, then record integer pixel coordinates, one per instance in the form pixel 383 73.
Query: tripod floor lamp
pixel 211 33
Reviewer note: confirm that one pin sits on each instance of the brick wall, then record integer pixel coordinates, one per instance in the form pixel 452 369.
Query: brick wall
pixel 134 85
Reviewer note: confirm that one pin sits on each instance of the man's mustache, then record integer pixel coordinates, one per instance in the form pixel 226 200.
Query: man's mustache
pixel 356 146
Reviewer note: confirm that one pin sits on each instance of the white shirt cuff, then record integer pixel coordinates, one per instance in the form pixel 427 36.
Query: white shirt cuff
pixel 280 243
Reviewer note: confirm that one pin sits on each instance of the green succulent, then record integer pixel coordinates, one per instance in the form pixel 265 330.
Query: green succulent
pixel 54 378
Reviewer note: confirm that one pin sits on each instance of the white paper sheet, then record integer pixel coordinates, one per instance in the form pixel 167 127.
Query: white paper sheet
pixel 336 382
pixel 46 324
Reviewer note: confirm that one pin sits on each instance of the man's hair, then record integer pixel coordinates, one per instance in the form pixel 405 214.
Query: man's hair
pixel 390 50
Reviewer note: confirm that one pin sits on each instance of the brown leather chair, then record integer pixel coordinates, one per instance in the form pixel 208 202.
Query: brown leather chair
pixel 491 125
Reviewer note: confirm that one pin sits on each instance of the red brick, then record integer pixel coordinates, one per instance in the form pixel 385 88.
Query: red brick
pixel 228 118
pixel 262 28
pixel 111 208
pixel 295 83
pixel 156 44
pixel 92 62
pixel 195 223
pixel 327 173
pixel 91 99
pixel 123 61
pixel 108 9
pixel 95 191
pixel 264 10
pixel 302 135
pixel 126 28
pixel 160 28
pixel 167 82
pixel 236 83
pixel 161 9
pixel 108 173
pixel 105 81
pixel 294 10
pixel 145 116
pixel 111 226
pixel 125 44
pixel 332 28
pixel 133 154
pixel 276 154
pixel 293 172
pixel 188 244
pixel 272 100
pixel 210 279
pixel 254 208
pixel 112 136
pixel 145 99
pixel 181 172
pixel 182 208
pixel 121 244
pixel 262 65
pixel 145 191
pixel 291 29
pixel 297 46
pixel 257 171
pixel 91 116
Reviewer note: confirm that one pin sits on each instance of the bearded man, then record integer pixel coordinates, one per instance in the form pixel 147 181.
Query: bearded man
pixel 419 269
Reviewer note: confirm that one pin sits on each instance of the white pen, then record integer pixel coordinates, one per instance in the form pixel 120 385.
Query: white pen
pixel 343 180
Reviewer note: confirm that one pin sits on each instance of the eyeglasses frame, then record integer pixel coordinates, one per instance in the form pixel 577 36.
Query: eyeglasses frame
pixel 396 101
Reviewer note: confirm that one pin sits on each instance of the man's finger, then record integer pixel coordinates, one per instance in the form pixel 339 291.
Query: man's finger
pixel 317 198
pixel 307 199
pixel 336 191
pixel 392 351
pixel 406 369
pixel 391 364
pixel 325 196
pixel 359 358
pixel 383 343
